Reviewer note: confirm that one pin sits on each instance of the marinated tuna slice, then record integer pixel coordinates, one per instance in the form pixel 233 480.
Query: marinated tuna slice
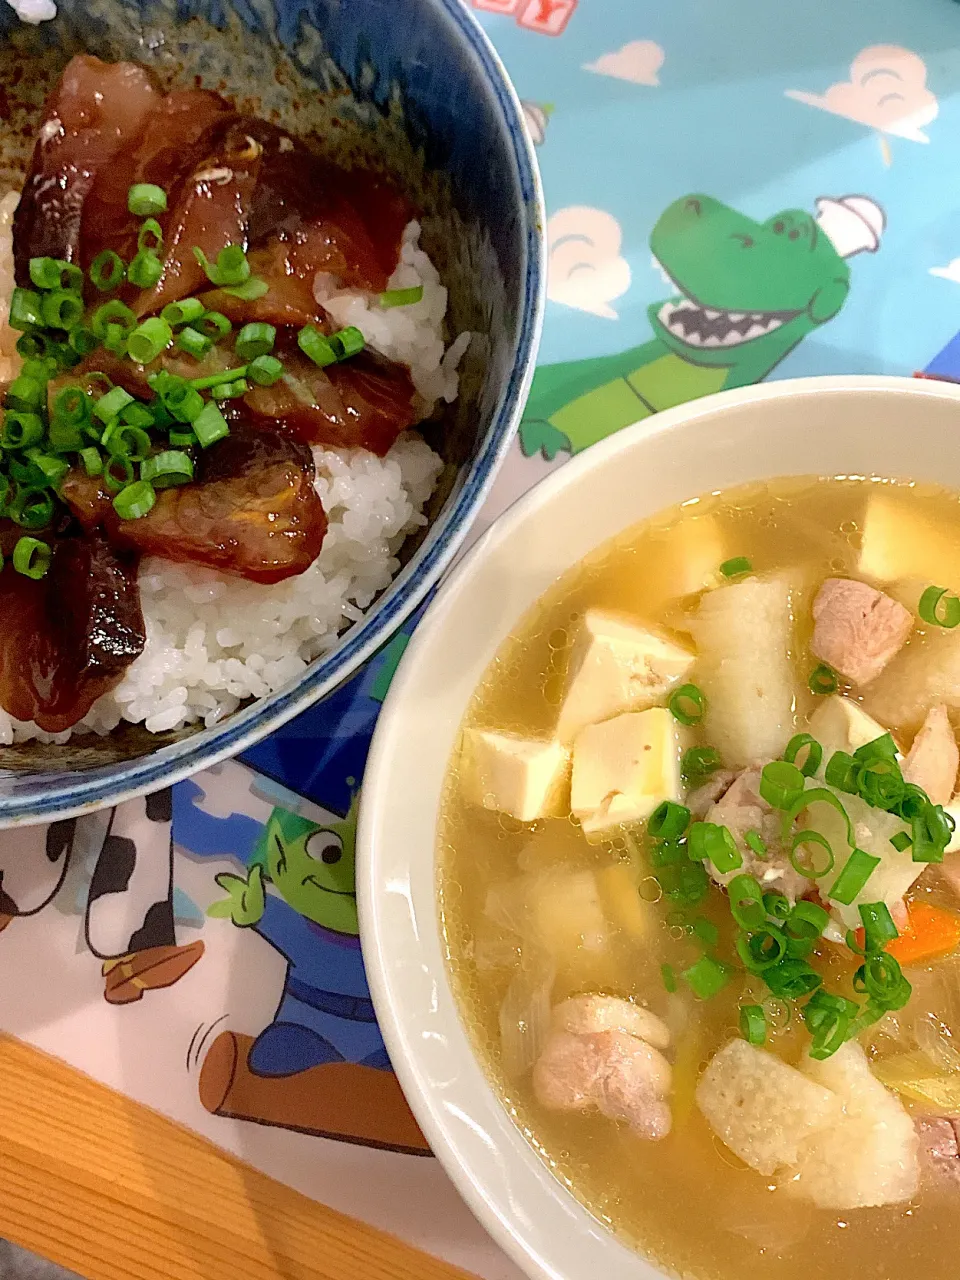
pixel 253 510
pixel 857 629
pixel 96 114
pixel 69 637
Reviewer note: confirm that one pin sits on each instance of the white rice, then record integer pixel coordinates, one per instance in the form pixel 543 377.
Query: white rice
pixel 34 11
pixel 215 640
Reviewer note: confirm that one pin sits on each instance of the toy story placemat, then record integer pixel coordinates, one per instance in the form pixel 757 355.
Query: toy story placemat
pixel 736 190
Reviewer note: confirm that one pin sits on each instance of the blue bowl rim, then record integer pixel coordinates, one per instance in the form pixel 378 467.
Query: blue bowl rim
pixel 108 785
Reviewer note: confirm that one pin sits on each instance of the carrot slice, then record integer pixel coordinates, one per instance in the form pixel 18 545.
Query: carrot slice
pixel 930 932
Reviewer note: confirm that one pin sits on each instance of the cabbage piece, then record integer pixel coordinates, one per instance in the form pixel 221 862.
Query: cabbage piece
pixel 914 1076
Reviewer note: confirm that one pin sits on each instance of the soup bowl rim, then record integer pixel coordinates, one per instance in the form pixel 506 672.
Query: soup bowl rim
pixel 510 1189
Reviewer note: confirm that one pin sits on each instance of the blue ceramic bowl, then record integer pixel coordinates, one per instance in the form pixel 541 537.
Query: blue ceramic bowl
pixel 416 84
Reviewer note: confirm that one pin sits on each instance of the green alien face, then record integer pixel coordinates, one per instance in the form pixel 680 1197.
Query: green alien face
pixel 313 868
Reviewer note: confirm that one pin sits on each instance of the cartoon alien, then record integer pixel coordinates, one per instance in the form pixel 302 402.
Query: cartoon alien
pixel 325 1012
pixel 744 294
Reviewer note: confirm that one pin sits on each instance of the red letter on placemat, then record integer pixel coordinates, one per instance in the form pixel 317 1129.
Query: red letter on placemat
pixel 498 6
pixel 549 17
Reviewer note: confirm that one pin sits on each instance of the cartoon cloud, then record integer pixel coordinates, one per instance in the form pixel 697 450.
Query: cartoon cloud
pixel 852 224
pixel 586 269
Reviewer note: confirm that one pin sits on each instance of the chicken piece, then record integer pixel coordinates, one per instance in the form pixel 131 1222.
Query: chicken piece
pixel 741 809
pixel 619 1074
pixel 857 629
pixel 933 758
pixel 591 1014
pixel 940 1149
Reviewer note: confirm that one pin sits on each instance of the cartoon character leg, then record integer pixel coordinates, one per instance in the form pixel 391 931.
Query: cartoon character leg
pixel 302 1036
pixel 130 922
pixel 33 863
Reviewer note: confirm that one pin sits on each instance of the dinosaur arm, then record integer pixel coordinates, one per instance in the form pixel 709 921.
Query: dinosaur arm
pixel 556 385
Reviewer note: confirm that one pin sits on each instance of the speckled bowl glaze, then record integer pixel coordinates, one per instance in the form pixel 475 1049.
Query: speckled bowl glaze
pixel 415 90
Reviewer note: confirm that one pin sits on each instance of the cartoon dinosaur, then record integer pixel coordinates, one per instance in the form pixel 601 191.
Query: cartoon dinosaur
pixel 320 1066
pixel 745 293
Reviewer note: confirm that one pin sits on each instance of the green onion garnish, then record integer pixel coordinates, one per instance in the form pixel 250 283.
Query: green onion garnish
pixel 117 473
pixel 878 926
pixel 790 978
pixel 144 199
pixel 755 842
pixel 183 312
pixel 148 340
pixel 185 439
pixel 82 340
pixel 806 920
pixel 92 461
pixel 823 680
pixel 108 406
pixel 63 436
pixel 230 269
pixel 683 881
pixel 668 821
pixel 113 313
pixel 707 977
pixel 25 393
pixel 851 881
pixel 107 271
pixel 135 500
pixel 209 426
pixel 781 784
pixel 32 508
pixel 810 866
pixel 218 379
pixel 901 841
pixel 347 342
pixel 706 931
pixel 817 795
pixel 777 905
pixel 115 339
pixel 698 763
pixel 137 415
pixel 230 390
pixel 814 753
pixel 255 340
pixel 939 609
pixel 881 977
pixel 163 470
pixel 930 833
pixel 193 342
pixel 882 748
pixel 736 567
pixel 687 704
pixel 20 430
pixel 35 346
pixel 401 297
pixel 753 1023
pixel 746 903
pixel 151 237
pixel 829 1019
pixel 26 310
pixel 145 270
pixel 213 324
pixel 707 840
pixel 250 290
pixel 31 557
pixel 881 784
pixel 125 441
pixel 265 370
pixel 62 309
pixel 763 949
pixel 669 977
pixel 842 772
pixel 52 468
pixel 54 273
pixel 316 347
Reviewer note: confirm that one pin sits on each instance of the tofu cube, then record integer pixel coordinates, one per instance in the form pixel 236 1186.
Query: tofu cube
pixel 623 768
pixel 616 666
pixel 902 542
pixel 840 724
pixel 523 777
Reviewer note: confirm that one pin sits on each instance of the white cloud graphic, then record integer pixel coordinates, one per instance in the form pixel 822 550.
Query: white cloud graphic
pixel 639 61
pixel 950 272
pixel 887 91
pixel 586 270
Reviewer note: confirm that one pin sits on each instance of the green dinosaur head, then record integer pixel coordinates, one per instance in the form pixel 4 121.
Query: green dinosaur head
pixel 313 867
pixel 746 292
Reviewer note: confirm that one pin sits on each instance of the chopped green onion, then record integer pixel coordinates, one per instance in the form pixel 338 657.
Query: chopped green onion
pixel 107 271
pixel 137 415
pixel 829 1019
pixel 736 567
pixel 401 297
pixel 183 312
pixel 878 926
pixel 52 468
pixel 697 763
pixel 115 339
pixel 913 802
pixel 150 237
pixel 144 199
pixel 762 949
pixel 117 473
pixel 135 500
pixel 213 324
pixel 264 370
pixel 881 784
pixel 82 340
pixel 777 905
pixel 810 867
pixel 231 268
pixel 939 609
pixel 163 470
pixel 881 977
pixel 817 795
pixel 184 439
pixel 126 441
pixel 230 390
pixel 781 784
pixel 32 508
pixel 145 270
pixel 54 273
pixel 746 903
pixel 210 425
pixel 113 312
pixel 851 881
pixel 25 392
pixel 109 406
pixel 930 833
pixel 706 931
pixel 26 310
pixel 707 840
pixel 669 977
pixel 255 340
pixel 668 821
pixel 807 920
pixel 31 557
pixel 148 340
pixel 182 400
pixel 35 346
pixel 63 436
pixel 62 309
pixel 316 347
pixel 682 881
pixel 92 462
pixel 687 704
pixel 193 342
pixel 753 1023
pixel 250 290
pixel 813 757
pixel 901 841
pixel 882 748
pixel 347 342
pixel 823 680
pixel 707 977
pixel 842 772
pixel 755 842
pixel 20 430
pixel 790 978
